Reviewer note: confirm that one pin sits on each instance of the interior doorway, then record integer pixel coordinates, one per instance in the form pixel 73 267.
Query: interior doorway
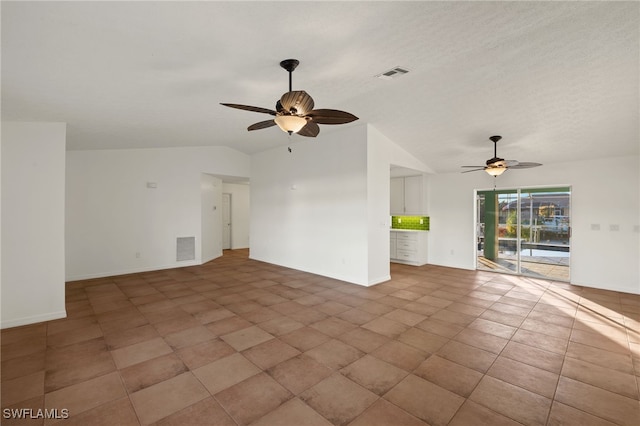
pixel 226 221
pixel 525 231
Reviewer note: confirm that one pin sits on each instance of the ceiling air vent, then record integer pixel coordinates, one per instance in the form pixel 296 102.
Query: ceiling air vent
pixel 393 73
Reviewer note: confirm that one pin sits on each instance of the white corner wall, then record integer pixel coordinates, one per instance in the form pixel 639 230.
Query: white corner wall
pixel 381 154
pixel 603 259
pixel 33 211
pixel 309 206
pixel 116 223
pixel 211 216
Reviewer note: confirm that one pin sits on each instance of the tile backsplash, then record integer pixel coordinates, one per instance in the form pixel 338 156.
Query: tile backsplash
pixel 418 223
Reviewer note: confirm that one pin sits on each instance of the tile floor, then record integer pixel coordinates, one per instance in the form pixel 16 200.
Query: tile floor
pixel 241 342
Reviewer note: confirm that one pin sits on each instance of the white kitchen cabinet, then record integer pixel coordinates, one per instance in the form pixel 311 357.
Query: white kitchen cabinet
pixel 407 196
pixel 409 247
pixel 392 245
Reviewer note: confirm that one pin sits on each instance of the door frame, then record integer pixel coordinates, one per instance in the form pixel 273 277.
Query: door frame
pixel 519 191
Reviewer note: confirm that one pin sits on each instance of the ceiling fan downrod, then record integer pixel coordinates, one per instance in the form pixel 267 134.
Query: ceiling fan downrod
pixel 495 140
pixel 290 65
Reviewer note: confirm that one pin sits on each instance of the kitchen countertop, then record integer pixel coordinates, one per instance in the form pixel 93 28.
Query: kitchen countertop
pixel 406 230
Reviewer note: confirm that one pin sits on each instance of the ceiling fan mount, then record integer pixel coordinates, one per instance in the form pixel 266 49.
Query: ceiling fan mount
pixel 294 111
pixel 290 64
pixel 496 166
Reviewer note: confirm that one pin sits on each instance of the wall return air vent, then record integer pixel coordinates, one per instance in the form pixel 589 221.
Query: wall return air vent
pixel 393 73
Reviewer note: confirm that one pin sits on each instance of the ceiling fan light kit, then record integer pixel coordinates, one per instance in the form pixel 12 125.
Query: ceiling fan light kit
pixel 290 123
pixel 294 111
pixel 496 171
pixel 497 166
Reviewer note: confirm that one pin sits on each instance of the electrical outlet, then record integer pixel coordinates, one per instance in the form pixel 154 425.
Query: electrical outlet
pixel 137 255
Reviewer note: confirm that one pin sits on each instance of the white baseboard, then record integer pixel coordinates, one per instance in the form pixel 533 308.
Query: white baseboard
pixel 33 319
pixel 132 271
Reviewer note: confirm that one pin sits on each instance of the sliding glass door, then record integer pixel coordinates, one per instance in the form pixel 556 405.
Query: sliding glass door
pixel 524 231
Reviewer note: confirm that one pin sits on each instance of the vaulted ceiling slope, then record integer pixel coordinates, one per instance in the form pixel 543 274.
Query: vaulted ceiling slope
pixel 558 80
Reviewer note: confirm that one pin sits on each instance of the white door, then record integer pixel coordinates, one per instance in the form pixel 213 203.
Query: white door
pixel 226 221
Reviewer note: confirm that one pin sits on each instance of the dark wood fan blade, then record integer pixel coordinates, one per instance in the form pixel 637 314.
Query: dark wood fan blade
pixel 310 130
pixel 250 108
pixel 331 116
pixel 525 165
pixel 298 100
pixel 474 170
pixel 261 125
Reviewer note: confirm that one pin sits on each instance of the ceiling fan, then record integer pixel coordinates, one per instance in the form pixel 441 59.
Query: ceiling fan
pixel 496 166
pixel 294 111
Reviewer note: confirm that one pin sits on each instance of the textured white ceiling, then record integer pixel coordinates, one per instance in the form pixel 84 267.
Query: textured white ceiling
pixel 558 80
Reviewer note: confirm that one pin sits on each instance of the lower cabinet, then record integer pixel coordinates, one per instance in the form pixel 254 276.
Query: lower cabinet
pixel 408 247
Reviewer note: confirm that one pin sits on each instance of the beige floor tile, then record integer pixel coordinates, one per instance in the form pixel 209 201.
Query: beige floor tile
pixel 562 414
pixel 541 341
pixel 158 326
pixel 304 338
pixel 383 413
pixel 189 337
pixel 383 378
pixel 468 356
pixel 338 399
pixel 601 357
pixel 246 338
pixel 139 352
pixel 598 402
pixel 333 327
pixel 605 378
pixel 535 357
pixel 270 353
pixel 117 412
pixel 292 412
pixel 22 388
pixel 400 354
pixel 449 375
pixel 130 336
pixel 252 398
pixel 148 373
pixel 204 353
pixel 512 401
pixel 94 364
pixel 422 340
pixel 472 414
pixel 89 394
pixel 441 328
pixel 219 375
pixel 525 376
pixel 299 373
pixel 494 328
pixel 386 327
pixel 167 397
pixel 204 412
pixel 425 400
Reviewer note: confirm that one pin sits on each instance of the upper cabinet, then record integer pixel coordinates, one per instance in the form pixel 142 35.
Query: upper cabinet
pixel 407 195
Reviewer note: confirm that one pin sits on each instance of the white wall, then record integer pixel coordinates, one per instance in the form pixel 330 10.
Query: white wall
pixel 240 213
pixel 112 215
pixel 604 192
pixel 324 208
pixel 381 153
pixel 33 191
pixel 211 216
pixel 309 207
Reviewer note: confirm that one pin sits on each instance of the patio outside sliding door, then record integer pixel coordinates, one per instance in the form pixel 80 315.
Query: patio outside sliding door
pixel 524 231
